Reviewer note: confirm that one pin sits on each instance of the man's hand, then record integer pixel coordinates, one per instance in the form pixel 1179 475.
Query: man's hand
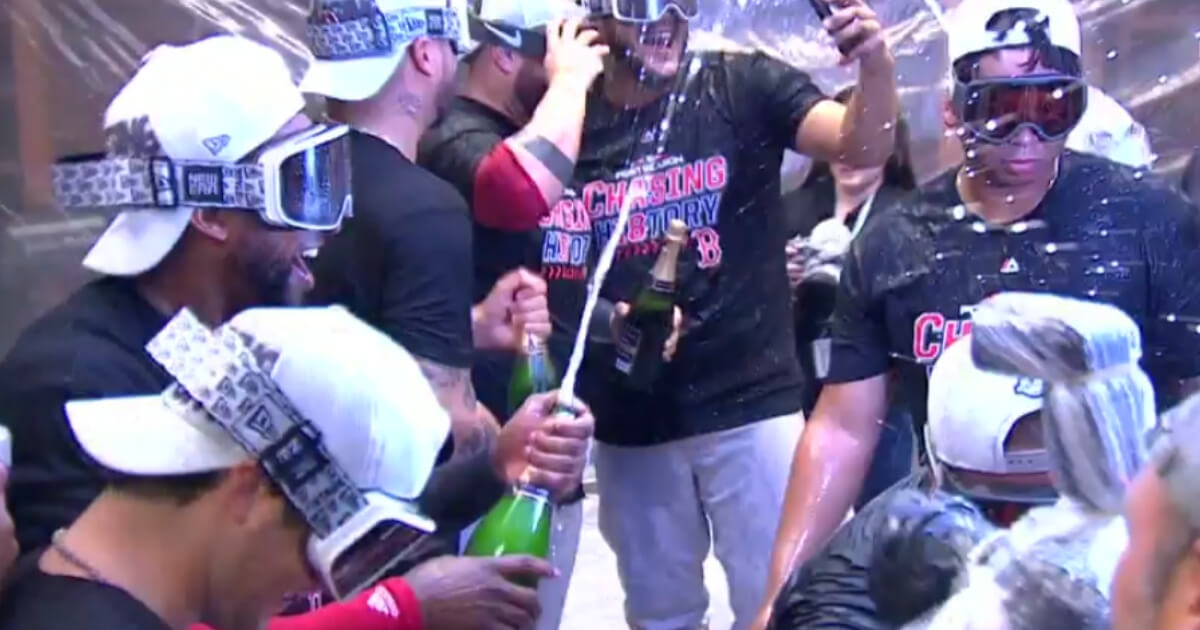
pixel 855 28
pixel 621 311
pixel 517 303
pixel 572 53
pixel 8 536
pixel 478 593
pixel 549 449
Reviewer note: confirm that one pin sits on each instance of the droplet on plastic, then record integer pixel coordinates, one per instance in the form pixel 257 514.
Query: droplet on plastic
pixel 888 126
pixel 1010 199
pixel 1111 54
pixel 971 153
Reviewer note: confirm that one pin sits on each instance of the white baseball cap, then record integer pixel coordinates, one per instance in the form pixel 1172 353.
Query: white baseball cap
pixel 969 33
pixel 214 100
pixel 346 66
pixel 377 415
pixel 972 411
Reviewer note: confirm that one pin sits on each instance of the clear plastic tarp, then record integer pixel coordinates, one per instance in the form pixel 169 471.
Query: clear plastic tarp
pixel 61 60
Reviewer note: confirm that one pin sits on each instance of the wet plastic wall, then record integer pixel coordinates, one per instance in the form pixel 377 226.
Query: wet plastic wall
pixel 62 60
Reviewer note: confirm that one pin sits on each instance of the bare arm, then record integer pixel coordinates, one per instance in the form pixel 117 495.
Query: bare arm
pixel 861 133
pixel 830 464
pixel 472 425
pixel 549 145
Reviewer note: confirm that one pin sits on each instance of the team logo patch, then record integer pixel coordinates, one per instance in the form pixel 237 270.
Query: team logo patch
pixel 1029 387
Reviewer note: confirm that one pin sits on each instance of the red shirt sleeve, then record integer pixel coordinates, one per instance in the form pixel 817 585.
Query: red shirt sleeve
pixel 390 605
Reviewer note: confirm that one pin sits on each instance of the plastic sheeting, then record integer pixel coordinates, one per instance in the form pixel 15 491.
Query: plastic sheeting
pixel 62 60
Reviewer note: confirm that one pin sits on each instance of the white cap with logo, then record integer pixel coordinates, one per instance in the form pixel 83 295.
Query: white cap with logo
pixel 357 45
pixel 972 411
pixel 377 416
pixel 214 100
pixel 971 28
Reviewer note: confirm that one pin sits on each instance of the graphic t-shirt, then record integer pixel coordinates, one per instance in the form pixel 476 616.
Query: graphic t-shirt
pixel 709 154
pixel 1104 232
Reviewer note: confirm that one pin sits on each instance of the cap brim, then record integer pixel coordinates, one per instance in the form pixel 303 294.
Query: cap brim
pixel 350 80
pixel 141 436
pixel 137 241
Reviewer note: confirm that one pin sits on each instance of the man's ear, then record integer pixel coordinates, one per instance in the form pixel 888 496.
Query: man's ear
pixel 949 116
pixel 241 487
pixel 504 59
pixel 425 55
pixel 211 223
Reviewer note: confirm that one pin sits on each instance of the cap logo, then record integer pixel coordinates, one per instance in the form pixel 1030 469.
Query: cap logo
pixel 1029 387
pixel 132 138
pixel 1009 23
pixel 216 144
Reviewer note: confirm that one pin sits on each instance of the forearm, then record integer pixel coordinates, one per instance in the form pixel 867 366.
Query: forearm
pixel 868 129
pixel 827 473
pixel 462 490
pixel 471 429
pixel 549 145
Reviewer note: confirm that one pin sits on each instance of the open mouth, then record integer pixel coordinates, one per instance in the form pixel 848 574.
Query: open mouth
pixel 300 266
pixel 661 38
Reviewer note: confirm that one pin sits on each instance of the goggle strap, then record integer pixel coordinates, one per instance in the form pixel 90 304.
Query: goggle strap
pixel 377 34
pixel 218 377
pixel 157 183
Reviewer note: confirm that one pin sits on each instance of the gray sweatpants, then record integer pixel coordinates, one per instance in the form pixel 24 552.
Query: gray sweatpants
pixel 663 506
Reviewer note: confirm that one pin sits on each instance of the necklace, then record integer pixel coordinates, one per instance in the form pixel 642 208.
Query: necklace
pixel 72 558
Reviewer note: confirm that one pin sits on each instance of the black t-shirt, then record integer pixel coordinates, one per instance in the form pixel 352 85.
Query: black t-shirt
pixel 401 262
pixel 709 153
pixel 1104 232
pixel 830 591
pixel 39 601
pixel 919 529
pixel 91 346
pixel 453 150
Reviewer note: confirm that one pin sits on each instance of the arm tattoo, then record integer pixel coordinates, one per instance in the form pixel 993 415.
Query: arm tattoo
pixel 555 161
pixel 457 396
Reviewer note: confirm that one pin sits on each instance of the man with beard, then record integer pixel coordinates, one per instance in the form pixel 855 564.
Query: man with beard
pixel 187 239
pixel 189 112
pixel 509 144
pixel 1022 214
pixel 672 134
pixel 1157 585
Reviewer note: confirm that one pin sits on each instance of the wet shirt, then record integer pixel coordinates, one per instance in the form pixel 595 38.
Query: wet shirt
pixel 403 261
pixel 90 346
pixel 1104 232
pixel 709 154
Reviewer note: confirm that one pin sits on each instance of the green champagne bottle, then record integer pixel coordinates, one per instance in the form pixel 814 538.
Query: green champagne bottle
pixel 520 523
pixel 533 373
pixel 649 323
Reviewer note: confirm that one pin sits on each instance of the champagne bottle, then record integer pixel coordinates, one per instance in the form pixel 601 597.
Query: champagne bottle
pixel 520 522
pixel 533 373
pixel 650 321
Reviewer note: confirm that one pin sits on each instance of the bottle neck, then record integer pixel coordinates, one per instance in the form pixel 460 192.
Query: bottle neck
pixel 532 345
pixel 665 267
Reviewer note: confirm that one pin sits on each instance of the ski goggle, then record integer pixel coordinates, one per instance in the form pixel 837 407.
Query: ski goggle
pixel 299 182
pixel 644 11
pixel 996 109
pixel 356 536
pixel 343 30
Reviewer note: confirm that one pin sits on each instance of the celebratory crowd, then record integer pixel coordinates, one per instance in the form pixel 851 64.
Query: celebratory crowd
pixel 286 399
